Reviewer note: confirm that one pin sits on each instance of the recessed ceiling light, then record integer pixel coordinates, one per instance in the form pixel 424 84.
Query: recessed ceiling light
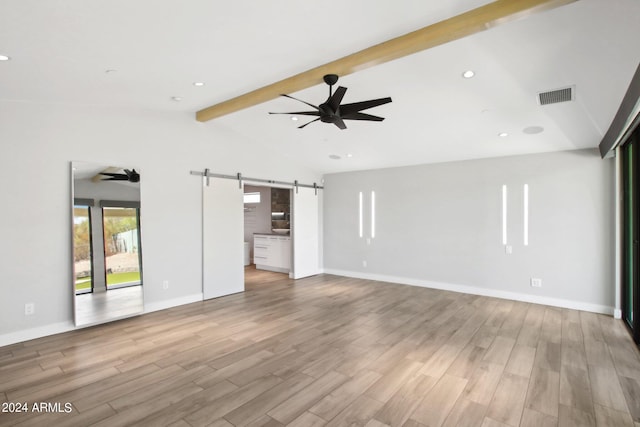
pixel 334 157
pixel 349 155
pixel 532 130
pixel 468 74
pixel 199 84
pixel 4 58
pixel 503 134
pixel 294 118
pixel 176 98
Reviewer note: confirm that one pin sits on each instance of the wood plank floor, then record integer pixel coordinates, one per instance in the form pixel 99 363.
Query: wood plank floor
pixel 332 351
pixel 99 307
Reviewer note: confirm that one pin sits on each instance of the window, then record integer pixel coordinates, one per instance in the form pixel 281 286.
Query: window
pixel 121 246
pixel 631 235
pixel 252 197
pixel 83 257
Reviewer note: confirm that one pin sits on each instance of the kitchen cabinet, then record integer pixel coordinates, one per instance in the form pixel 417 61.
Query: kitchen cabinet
pixel 272 252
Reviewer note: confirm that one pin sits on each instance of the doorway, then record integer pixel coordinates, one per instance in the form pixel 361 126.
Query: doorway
pixel 223 233
pixel 267 233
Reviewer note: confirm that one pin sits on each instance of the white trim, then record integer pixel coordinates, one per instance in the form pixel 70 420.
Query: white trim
pixel 175 302
pixel 473 290
pixel 617 251
pixel 274 269
pixel 61 327
pixel 33 333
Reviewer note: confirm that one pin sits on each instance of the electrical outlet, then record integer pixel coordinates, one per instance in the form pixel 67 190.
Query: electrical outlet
pixel 364 263
pixel 29 309
pixel 508 249
pixel 165 284
pixel 536 283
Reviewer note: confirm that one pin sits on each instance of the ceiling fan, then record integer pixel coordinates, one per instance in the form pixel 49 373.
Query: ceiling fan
pixel 331 111
pixel 128 175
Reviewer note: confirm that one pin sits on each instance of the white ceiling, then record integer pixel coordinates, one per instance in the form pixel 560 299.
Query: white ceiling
pixel 60 50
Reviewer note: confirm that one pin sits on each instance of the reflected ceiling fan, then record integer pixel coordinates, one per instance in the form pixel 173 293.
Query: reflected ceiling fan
pixel 128 175
pixel 332 111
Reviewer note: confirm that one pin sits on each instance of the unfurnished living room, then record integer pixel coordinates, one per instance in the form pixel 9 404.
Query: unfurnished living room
pixel 287 213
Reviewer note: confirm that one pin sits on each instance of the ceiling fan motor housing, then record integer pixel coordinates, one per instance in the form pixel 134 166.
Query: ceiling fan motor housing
pixel 330 79
pixel 327 115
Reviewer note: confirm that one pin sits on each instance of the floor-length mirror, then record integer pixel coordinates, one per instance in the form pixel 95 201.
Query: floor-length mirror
pixel 107 257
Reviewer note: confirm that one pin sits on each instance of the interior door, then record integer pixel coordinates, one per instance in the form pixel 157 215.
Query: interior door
pixel 306 232
pixel 223 238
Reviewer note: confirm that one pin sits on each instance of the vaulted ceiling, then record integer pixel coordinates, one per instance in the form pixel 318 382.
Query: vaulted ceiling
pixel 147 54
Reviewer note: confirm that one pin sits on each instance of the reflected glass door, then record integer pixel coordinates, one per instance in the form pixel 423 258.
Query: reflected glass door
pixel 122 247
pixel 83 257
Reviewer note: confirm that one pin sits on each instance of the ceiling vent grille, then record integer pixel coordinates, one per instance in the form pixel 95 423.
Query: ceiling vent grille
pixel 554 96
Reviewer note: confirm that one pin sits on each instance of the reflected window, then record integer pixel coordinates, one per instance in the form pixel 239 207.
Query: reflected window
pixel 122 246
pixel 82 253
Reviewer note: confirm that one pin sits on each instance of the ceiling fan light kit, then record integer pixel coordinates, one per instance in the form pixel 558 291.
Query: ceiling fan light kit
pixel 332 111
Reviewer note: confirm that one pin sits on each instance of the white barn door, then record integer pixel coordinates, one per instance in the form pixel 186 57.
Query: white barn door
pixel 306 232
pixel 222 238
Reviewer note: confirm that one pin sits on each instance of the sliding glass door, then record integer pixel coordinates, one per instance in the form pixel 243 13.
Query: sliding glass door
pixel 631 235
pixel 122 246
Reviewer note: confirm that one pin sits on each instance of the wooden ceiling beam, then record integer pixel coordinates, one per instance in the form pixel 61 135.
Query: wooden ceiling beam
pixel 457 27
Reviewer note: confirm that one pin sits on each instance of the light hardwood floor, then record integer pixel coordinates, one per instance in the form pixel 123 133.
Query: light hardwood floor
pixel 100 307
pixel 333 351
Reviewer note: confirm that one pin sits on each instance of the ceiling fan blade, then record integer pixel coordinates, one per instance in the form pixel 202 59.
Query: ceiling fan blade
pixel 114 176
pixel 302 113
pixel 335 99
pixel 359 106
pixel 362 116
pixel 314 120
pixel 304 102
pixel 340 124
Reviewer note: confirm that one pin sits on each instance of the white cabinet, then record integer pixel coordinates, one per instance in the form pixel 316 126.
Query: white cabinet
pixel 272 252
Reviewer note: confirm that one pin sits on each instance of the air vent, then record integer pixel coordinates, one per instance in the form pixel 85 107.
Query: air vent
pixel 555 96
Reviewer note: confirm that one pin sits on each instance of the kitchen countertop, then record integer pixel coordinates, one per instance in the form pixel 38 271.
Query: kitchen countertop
pixel 273 234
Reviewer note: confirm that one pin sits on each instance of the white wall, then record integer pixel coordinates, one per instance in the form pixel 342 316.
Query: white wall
pixel 39 140
pixel 440 226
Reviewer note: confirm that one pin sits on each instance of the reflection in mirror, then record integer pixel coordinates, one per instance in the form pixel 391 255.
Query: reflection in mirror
pixel 107 257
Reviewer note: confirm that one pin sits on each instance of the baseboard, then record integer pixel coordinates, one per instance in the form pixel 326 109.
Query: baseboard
pixel 535 299
pixel 164 304
pixel 274 269
pixel 33 333
pixel 58 328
